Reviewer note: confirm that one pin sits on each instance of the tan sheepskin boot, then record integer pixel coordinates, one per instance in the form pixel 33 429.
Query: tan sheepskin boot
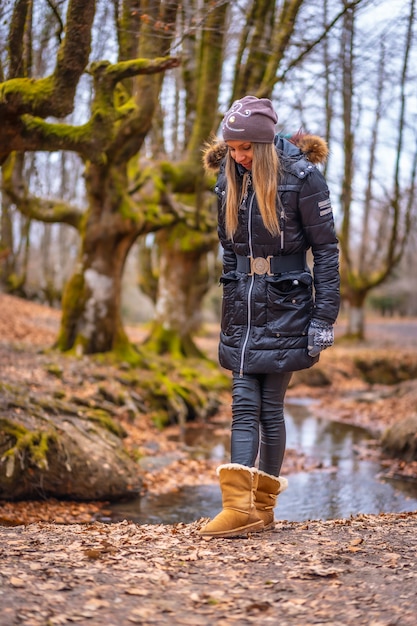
pixel 238 517
pixel 268 489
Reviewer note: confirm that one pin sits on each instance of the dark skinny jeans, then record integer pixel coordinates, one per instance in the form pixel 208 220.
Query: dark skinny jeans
pixel 258 423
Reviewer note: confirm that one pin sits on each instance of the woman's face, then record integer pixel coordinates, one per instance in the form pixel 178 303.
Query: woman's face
pixel 241 152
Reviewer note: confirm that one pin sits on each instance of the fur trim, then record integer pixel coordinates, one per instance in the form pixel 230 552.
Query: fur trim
pixel 235 466
pixel 283 482
pixel 314 147
pixel 214 152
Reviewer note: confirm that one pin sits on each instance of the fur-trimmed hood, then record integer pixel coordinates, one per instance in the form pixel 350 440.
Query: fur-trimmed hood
pixel 312 147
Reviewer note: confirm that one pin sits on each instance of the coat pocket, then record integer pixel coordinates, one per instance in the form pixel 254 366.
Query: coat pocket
pixel 290 303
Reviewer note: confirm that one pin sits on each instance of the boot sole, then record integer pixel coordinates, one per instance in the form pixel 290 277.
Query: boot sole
pixel 266 528
pixel 235 532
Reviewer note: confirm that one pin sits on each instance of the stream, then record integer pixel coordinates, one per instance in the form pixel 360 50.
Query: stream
pixel 345 486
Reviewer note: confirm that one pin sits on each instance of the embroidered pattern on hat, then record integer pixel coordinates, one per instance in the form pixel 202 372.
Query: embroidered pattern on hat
pixel 234 117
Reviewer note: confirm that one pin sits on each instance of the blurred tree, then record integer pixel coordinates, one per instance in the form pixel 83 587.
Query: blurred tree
pixel 15 229
pixel 375 227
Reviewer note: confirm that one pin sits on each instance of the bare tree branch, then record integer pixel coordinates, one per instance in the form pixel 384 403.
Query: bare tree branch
pixel 312 44
pixel 45 210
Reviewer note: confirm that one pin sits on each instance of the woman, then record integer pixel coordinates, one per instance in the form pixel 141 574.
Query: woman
pixel 273 206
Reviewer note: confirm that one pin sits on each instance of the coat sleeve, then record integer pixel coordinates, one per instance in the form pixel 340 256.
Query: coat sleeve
pixel 319 230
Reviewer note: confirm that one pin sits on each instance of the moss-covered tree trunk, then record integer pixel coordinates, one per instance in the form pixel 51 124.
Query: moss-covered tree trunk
pixel 184 279
pixel 355 300
pixel 91 319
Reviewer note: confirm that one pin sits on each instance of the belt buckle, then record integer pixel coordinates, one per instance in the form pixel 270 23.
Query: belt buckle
pixel 260 265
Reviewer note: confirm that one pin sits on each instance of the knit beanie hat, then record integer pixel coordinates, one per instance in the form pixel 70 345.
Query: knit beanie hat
pixel 250 119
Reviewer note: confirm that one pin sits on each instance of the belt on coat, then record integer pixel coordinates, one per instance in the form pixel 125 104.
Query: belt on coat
pixel 271 264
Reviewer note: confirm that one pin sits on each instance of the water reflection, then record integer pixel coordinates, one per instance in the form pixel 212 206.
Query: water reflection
pixel 331 443
pixel 345 486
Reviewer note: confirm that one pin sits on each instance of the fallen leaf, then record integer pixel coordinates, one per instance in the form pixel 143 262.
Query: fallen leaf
pixel 135 591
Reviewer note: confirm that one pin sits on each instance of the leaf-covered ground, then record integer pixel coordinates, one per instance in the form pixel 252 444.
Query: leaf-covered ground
pixel 359 571
pixel 58 567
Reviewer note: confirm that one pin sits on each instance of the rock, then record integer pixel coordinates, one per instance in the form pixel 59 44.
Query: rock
pixel 66 454
pixel 400 440
pixel 312 377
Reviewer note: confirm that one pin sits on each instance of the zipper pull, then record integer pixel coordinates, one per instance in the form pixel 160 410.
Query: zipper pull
pixel 282 215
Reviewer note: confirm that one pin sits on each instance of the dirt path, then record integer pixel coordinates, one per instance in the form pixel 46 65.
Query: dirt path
pixel 359 571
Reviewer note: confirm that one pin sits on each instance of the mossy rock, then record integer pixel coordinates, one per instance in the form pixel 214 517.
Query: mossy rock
pixel 47 450
pixel 400 440
pixel 386 369
pixel 312 377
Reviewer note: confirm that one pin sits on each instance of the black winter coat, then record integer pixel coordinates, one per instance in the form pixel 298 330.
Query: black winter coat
pixel 265 318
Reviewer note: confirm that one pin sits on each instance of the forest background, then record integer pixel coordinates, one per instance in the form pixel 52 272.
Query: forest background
pixel 108 218
pixel 106 213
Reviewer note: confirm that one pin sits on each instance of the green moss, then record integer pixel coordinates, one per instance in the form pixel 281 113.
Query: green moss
pixel 152 210
pixel 160 419
pixel 164 341
pixel 71 340
pixel 65 134
pixel 136 455
pixel 128 210
pixel 103 418
pixel 55 370
pixel 185 239
pixel 59 394
pixel 181 393
pixel 28 445
pixel 12 428
pixel 29 91
pixel 123 352
pixel 74 293
pixel 130 378
pixel 181 177
pixel 15 282
pixel 127 108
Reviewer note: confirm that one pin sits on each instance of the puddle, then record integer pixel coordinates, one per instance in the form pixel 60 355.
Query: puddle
pixel 346 486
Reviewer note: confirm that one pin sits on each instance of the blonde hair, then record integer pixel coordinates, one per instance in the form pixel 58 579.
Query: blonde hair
pixel 265 173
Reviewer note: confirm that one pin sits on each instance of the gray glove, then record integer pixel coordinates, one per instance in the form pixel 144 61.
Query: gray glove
pixel 320 337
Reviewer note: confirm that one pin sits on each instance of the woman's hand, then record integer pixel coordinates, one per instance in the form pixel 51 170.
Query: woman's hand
pixel 320 337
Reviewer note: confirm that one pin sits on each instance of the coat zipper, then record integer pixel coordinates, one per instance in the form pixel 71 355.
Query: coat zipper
pixel 248 328
pixel 252 278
